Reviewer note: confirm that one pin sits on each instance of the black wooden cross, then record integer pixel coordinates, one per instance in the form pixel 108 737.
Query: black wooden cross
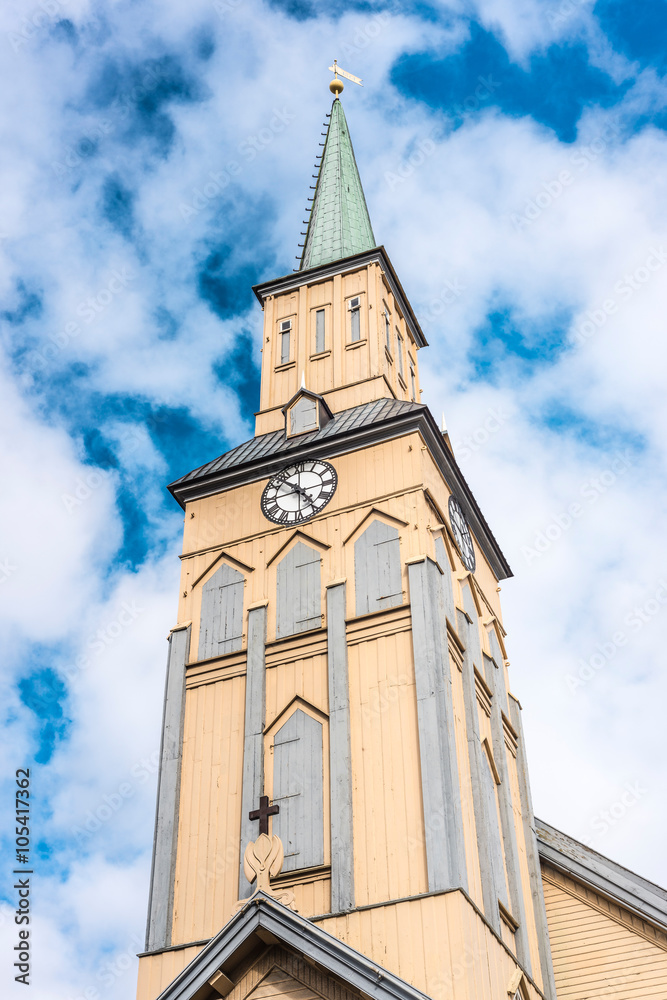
pixel 263 813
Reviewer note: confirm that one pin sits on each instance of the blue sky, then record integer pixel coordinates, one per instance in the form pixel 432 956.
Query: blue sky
pixel 156 163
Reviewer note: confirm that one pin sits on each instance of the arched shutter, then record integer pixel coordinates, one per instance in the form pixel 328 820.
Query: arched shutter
pixel 495 842
pixel 377 568
pixel 298 791
pixel 221 629
pixel 299 597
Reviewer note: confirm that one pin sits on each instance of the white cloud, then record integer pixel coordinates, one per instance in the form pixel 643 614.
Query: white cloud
pixel 449 227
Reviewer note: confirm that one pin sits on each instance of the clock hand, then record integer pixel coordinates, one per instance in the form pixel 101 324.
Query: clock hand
pixel 298 490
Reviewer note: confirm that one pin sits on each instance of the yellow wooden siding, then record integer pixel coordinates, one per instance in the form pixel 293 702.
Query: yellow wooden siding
pixel 157 971
pixel 343 373
pixel 439 944
pixel 234 525
pixel 280 971
pixel 390 858
pixel 303 676
pixel 207 863
pixel 595 956
pixel 280 984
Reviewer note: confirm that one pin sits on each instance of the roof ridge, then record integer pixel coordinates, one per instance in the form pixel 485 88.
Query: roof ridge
pixel 338 417
pixel 541 824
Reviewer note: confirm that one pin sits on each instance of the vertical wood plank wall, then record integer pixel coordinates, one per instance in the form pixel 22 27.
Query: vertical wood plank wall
pixel 346 372
pixel 380 485
pixel 210 817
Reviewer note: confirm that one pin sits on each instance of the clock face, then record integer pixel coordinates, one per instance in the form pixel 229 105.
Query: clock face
pixel 299 492
pixel 461 533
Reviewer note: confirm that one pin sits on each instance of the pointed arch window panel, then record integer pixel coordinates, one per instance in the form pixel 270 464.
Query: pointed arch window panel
pixel 299 591
pixel 298 790
pixel 221 627
pixel 377 568
pixel 490 781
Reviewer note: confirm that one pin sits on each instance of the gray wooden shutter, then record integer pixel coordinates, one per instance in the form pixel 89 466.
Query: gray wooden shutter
pixel 320 341
pixel 303 415
pixel 298 782
pixel 494 841
pixel 299 597
pixel 221 629
pixel 377 568
pixel 355 324
pixel 284 347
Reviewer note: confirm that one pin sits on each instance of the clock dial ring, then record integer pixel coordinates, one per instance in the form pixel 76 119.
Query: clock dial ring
pixel 461 532
pixel 299 491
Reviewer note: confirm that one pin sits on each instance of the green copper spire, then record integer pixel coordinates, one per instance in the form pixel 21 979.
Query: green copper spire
pixel 339 222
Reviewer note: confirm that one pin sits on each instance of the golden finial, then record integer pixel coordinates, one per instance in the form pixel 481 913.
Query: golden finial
pixel 336 86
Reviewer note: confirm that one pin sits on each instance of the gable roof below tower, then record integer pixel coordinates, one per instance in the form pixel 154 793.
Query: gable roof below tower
pixel 333 970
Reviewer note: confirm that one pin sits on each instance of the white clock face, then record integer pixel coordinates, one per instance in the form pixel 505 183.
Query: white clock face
pixel 461 533
pixel 299 492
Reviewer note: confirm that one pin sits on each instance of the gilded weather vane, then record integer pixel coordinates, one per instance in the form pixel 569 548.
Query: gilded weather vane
pixel 336 86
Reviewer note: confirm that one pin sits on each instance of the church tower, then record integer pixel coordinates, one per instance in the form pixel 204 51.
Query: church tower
pixel 343 801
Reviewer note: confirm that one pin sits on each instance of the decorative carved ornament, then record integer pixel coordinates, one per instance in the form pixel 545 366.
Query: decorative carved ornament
pixel 263 860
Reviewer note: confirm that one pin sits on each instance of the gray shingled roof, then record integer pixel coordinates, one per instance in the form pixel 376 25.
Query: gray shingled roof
pixel 584 863
pixel 269 445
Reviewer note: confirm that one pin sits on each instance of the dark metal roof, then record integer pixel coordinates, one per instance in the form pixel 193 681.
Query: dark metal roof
pixel 276 442
pixel 350 429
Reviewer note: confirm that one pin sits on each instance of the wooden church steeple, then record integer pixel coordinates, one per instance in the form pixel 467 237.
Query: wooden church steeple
pixel 337 655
